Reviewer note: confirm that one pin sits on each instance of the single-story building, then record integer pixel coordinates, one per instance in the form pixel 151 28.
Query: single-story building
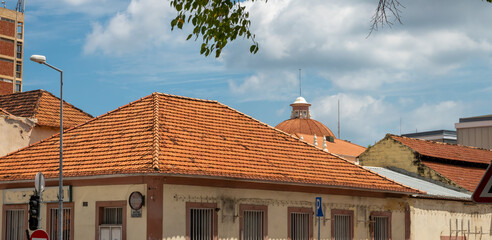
pixel 178 168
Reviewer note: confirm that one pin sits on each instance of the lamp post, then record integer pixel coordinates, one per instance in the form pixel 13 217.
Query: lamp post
pixel 42 60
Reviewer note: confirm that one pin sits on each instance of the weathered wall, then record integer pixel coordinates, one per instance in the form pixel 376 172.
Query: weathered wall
pixel 14 133
pixel 389 153
pixel 433 219
pixel 176 196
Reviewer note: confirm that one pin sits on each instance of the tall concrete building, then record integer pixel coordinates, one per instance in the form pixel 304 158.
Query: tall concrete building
pixel 11 48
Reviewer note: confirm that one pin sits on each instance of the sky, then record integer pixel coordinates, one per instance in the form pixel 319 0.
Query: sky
pixel 421 75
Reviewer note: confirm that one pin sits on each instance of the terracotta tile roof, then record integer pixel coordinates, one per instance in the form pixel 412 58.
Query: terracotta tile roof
pixel 456 173
pixel 302 126
pixel 348 150
pixel 166 134
pixel 43 106
pixel 447 151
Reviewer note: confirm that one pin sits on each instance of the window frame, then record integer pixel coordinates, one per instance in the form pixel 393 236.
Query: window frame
pixel 213 206
pixel 350 213
pixel 100 205
pixel 7 207
pixel 291 210
pixel 380 214
pixel 251 207
pixel 69 205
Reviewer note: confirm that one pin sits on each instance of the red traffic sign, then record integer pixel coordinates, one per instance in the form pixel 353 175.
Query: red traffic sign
pixel 39 234
pixel 483 192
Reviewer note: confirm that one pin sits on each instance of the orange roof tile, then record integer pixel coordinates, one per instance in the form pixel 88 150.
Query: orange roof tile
pixel 455 173
pixel 43 106
pixel 346 149
pixel 172 135
pixel 447 151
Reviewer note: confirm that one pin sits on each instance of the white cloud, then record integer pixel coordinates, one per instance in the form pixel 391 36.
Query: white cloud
pixel 266 85
pixel 143 25
pixel 427 117
pixel 365 119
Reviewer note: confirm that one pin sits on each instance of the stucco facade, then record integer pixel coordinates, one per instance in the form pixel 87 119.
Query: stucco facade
pixel 439 219
pixel 411 218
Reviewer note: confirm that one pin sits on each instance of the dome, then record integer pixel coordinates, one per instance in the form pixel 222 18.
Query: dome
pixel 300 100
pixel 305 127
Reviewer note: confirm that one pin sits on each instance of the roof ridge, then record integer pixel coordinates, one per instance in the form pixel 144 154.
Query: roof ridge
pixel 183 97
pixel 69 104
pixel 441 143
pixel 155 130
pixel 36 106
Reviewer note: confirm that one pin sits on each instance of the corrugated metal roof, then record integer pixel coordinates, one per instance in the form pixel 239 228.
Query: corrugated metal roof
pixel 432 189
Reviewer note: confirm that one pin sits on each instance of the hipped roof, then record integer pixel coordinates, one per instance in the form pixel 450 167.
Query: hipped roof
pixel 43 106
pixel 173 135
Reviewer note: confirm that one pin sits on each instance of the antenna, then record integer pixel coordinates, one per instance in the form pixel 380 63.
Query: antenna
pixel 339 118
pixel 21 6
pixel 300 83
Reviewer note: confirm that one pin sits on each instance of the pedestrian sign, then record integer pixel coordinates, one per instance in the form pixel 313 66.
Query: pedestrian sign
pixel 319 207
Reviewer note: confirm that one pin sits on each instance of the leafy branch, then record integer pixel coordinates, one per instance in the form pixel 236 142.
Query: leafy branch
pixel 217 22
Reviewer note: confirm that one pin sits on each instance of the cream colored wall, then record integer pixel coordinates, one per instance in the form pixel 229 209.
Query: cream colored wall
pixel 14 133
pixel 431 219
pixel 176 196
pixel 85 217
pixel 39 133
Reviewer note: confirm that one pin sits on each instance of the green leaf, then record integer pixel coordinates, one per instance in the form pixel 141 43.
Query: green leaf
pixel 189 36
pixel 252 48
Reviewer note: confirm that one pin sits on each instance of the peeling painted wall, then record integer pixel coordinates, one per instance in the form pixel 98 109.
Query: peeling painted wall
pixel 15 133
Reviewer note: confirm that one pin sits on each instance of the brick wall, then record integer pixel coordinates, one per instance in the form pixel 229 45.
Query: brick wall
pixel 6 68
pixel 7 28
pixel 6 88
pixel 7 48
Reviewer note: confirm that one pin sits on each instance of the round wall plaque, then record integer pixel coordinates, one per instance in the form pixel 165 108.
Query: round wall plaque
pixel 136 200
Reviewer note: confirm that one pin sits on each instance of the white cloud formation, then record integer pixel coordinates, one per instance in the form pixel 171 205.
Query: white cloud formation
pixel 365 119
pixel 144 24
pixel 266 86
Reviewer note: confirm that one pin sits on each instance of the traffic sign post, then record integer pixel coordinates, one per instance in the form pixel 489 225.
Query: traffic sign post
pixel 483 192
pixel 319 214
pixel 39 235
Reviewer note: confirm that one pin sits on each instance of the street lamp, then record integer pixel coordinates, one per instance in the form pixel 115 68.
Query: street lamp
pixel 42 60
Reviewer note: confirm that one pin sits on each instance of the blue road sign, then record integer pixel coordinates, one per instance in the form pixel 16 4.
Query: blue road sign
pixel 319 208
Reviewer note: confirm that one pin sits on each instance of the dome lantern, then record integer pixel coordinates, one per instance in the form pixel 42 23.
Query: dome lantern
pixel 300 109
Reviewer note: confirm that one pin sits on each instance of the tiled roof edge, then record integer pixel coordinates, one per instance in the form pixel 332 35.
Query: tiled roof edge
pixel 441 143
pixel 80 125
pixel 155 153
pixel 5 112
pixel 76 108
pixel 361 167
